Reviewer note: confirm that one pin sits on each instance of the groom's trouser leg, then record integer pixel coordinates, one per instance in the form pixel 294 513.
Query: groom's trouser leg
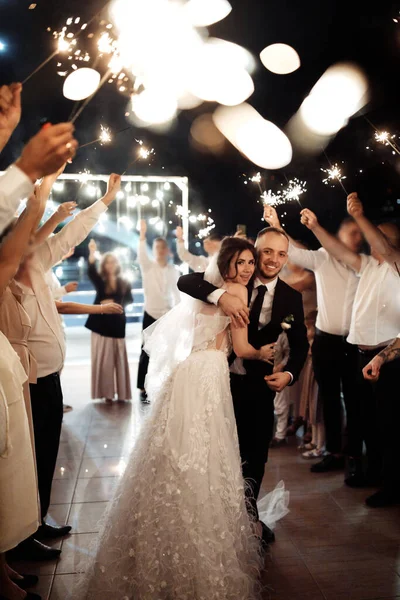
pixel 144 358
pixel 253 402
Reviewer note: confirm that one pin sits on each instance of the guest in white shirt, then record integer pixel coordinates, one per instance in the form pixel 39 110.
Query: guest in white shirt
pixel 334 359
pixel 199 264
pixel 47 342
pixel 375 322
pixel 43 155
pixel 160 290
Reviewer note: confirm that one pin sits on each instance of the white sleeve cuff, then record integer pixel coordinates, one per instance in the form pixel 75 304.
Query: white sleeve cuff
pixel 291 377
pixel 14 187
pixel 214 297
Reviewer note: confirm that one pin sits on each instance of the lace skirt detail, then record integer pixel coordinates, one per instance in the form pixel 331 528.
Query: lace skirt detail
pixel 178 528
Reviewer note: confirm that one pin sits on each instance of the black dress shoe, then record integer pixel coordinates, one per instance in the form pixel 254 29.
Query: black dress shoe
pixel 329 463
pixel 278 443
pixel 383 498
pixel 32 549
pixel 143 397
pixel 27 581
pixel 49 532
pixel 268 535
pixel 355 477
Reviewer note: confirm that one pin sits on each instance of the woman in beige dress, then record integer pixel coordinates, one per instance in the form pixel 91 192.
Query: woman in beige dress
pixel 19 508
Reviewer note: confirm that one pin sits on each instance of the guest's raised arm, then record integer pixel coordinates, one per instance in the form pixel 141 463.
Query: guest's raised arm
pixel 74 232
pixel 44 154
pixel 62 213
pixel 15 244
pixel 330 242
pixel 374 236
pixel 10 111
pixel 307 259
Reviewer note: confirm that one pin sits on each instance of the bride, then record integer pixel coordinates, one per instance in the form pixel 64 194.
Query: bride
pixel 178 527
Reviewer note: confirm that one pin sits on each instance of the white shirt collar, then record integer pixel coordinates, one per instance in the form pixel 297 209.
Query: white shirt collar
pixel 271 285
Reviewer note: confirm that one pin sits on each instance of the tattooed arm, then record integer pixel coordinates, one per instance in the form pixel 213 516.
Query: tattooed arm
pixel 391 352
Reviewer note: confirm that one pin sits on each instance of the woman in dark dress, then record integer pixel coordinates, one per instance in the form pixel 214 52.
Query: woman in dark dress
pixel 110 368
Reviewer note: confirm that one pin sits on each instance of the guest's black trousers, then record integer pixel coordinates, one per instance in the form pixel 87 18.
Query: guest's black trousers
pixel 335 369
pixel 144 358
pixel 253 403
pixel 47 413
pixel 380 420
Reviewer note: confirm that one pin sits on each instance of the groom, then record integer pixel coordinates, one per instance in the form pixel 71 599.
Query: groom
pixel 253 384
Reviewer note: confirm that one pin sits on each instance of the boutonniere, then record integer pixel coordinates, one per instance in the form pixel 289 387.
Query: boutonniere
pixel 287 322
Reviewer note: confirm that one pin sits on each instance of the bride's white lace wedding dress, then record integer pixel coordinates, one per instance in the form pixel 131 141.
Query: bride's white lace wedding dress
pixel 178 528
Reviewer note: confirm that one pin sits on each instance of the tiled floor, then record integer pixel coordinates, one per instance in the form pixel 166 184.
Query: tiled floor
pixel 330 546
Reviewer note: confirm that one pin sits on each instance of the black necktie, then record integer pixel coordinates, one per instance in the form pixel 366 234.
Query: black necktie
pixel 256 309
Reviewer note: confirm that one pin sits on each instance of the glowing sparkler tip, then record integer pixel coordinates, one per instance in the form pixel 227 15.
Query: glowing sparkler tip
pixel 256 178
pixel 382 137
pixel 333 173
pixel 105 135
pixel 271 198
pixel 294 189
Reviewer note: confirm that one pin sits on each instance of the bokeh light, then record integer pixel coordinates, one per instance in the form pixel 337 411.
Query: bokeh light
pixel 280 59
pixel 259 140
pixel 81 84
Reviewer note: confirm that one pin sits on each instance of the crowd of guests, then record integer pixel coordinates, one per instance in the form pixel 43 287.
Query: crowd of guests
pixel 344 397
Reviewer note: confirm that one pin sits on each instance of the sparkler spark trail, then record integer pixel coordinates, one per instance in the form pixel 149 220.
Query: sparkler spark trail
pixel 271 198
pixel 105 135
pixel 294 189
pixel 256 178
pixel 382 137
pixel 332 174
pixel 205 231
pixel 144 153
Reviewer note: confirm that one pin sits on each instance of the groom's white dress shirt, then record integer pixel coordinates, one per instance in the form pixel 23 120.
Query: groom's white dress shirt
pixel 14 187
pixel 265 314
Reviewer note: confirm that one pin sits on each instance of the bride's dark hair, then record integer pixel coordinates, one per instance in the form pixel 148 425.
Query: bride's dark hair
pixel 229 248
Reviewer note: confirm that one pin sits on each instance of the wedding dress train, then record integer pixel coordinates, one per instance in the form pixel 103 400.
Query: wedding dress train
pixel 178 528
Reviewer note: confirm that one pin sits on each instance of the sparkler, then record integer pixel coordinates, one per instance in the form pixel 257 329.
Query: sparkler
pixel 294 190
pixel 271 198
pixel 384 137
pixel 143 153
pixel 205 231
pixel 105 135
pixel 332 174
pixel 256 178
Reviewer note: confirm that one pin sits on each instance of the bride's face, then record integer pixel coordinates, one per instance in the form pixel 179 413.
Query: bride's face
pixel 242 267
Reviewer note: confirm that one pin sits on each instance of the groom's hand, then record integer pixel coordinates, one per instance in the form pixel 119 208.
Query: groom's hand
pixel 234 308
pixel 278 381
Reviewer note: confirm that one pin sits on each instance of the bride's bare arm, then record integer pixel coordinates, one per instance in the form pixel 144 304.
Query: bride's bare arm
pixel 241 345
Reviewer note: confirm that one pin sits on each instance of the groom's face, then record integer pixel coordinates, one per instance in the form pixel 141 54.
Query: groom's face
pixel 272 251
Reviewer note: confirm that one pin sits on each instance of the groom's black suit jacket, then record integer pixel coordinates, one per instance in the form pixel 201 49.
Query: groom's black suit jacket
pixel 287 301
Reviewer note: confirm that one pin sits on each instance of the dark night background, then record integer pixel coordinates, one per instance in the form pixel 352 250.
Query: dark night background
pixel 322 32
